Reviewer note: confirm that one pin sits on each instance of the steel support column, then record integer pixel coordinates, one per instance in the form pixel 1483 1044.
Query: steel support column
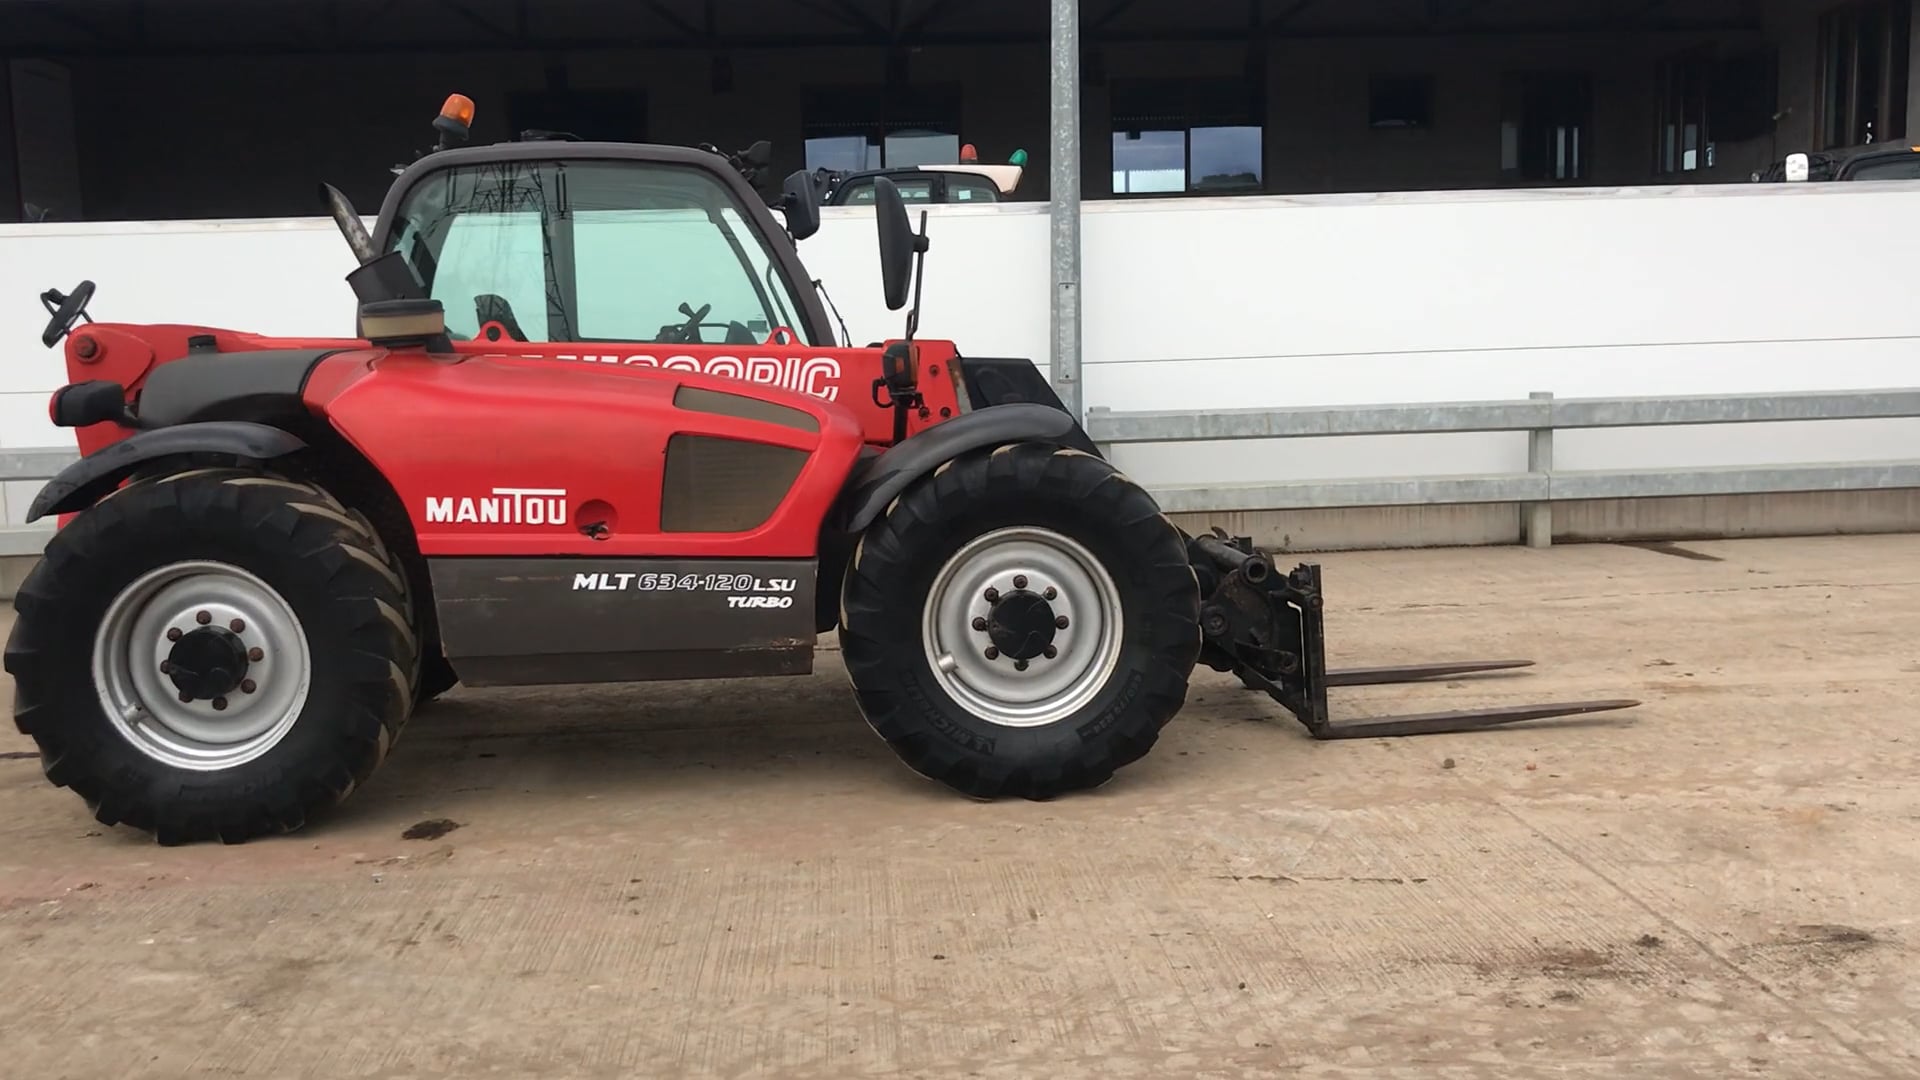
pixel 1063 164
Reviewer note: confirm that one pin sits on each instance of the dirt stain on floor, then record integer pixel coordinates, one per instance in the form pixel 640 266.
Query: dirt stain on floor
pixel 430 829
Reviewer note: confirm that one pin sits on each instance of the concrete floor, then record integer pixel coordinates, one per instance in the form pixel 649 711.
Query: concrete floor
pixel 739 880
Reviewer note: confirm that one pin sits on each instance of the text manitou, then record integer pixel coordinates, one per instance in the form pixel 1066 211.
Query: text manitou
pixel 506 506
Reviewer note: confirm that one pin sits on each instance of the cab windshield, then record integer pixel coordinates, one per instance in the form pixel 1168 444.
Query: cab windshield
pixel 592 251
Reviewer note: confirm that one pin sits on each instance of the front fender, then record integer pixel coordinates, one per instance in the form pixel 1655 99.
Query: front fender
pixel 883 478
pixel 86 481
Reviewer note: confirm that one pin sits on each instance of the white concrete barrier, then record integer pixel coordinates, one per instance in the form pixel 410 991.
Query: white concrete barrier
pixel 1202 304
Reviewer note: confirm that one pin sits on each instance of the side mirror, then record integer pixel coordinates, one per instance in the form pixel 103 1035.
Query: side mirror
pixel 898 243
pixel 759 154
pixel 1799 167
pixel 800 199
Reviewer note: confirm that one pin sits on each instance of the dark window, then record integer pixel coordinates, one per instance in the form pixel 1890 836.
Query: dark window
pixel 598 115
pixel 1174 137
pixel 1863 76
pixel 1905 167
pixel 1546 126
pixel 913 189
pixel 1400 101
pixel 854 128
pixel 591 251
pixel 1682 138
pixel 967 188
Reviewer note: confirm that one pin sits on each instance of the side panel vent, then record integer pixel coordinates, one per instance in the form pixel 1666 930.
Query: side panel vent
pixel 724 485
pixel 742 407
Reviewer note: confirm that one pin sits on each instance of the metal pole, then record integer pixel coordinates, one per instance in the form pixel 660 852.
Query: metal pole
pixel 1539 516
pixel 1063 161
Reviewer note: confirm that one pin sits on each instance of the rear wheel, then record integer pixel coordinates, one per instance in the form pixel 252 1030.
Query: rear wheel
pixel 1021 623
pixel 217 653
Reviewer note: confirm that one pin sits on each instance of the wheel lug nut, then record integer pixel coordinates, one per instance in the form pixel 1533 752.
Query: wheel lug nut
pixel 979 623
pixel 184 696
pixel 1019 665
pixel 1051 652
pixel 1019 581
pixel 1061 622
pixel 1050 593
pixel 256 653
pixel 166 667
pixel 238 626
pixel 203 618
pixel 993 596
pixel 219 703
pixel 249 686
pixel 173 634
pixel 993 653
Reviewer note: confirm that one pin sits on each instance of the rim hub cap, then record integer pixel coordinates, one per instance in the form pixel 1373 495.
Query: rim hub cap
pixel 1021 625
pixel 207 663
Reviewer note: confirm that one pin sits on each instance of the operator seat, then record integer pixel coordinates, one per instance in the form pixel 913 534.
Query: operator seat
pixel 492 307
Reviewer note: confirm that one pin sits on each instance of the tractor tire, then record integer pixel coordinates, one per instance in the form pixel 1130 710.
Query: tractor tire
pixel 258 598
pixel 955 598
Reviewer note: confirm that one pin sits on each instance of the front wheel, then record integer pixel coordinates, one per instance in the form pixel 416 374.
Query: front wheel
pixel 1021 623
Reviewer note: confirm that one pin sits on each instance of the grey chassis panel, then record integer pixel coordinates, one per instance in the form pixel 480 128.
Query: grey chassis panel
pixel 525 622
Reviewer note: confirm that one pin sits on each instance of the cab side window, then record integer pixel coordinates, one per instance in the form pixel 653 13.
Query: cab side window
pixel 592 251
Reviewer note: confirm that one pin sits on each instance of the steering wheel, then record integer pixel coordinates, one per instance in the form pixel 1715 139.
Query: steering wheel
pixel 689 331
pixel 66 310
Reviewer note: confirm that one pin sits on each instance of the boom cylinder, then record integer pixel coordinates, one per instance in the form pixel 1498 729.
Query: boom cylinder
pixel 1229 558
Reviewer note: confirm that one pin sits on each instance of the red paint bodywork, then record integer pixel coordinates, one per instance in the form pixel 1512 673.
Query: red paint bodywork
pixel 592 420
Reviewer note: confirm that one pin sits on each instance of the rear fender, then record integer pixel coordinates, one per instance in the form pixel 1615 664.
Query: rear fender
pixel 88 480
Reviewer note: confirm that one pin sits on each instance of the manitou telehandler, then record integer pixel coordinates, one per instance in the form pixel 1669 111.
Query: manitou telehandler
pixel 272 550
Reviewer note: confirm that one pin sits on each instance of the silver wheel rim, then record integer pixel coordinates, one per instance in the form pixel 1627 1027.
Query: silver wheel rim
pixel 223 608
pixel 999 688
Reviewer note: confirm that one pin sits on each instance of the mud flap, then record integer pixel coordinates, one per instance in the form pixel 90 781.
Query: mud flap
pixel 1270 631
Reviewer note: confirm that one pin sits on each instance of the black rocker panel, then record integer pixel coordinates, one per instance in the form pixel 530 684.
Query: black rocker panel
pixel 525 622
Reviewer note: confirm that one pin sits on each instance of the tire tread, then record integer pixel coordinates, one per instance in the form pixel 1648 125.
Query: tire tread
pixel 877 649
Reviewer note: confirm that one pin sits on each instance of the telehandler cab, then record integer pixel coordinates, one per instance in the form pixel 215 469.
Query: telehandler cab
pixel 273 550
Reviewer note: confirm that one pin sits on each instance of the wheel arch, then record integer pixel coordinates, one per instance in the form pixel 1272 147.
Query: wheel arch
pixel 874 486
pixel 90 479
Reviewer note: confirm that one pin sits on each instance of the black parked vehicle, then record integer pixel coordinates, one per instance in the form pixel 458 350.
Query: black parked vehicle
pixel 1897 160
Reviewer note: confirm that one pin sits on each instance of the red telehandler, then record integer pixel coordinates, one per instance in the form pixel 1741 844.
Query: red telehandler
pixel 273 550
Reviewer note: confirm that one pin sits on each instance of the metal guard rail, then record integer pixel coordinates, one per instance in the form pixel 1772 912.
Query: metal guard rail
pixel 1541 415
pixel 1541 485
